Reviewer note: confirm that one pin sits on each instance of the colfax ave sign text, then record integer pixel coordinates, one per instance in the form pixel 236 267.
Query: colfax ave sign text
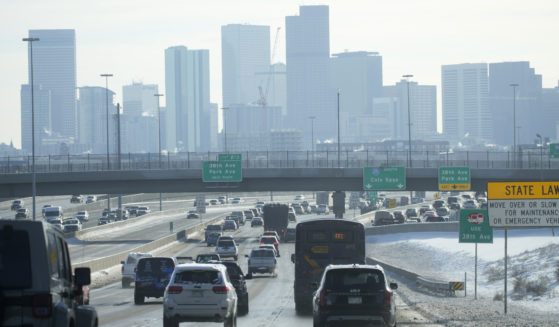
pixel 522 204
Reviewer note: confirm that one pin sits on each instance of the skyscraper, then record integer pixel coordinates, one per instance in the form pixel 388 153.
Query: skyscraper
pixel 54 65
pixel 187 90
pixel 138 98
pixel 308 80
pixel 527 102
pixel 550 108
pixel 465 109
pixel 245 50
pixel 43 124
pixel 92 119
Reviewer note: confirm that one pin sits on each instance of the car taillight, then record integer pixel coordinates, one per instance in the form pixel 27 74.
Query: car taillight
pixel 322 298
pixel 174 289
pixel 220 289
pixel 261 242
pixel 42 305
pixel 275 243
pixel 387 298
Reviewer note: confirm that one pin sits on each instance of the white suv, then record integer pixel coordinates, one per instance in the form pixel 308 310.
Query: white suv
pixel 129 267
pixel 200 293
pixel 226 248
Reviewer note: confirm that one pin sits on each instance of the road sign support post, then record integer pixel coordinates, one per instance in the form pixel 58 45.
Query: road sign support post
pixel 506 265
pixel 475 276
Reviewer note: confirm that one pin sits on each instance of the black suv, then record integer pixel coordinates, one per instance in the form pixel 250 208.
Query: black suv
pixel 238 280
pixel 152 276
pixel 354 293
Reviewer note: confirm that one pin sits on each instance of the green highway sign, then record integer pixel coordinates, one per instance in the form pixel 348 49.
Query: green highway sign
pixel 454 178
pixel 222 171
pixel 554 150
pixel 384 178
pixel 474 226
pixel 373 196
pixel 229 157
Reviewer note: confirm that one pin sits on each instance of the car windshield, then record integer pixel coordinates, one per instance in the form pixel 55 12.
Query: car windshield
pixel 268 240
pixel 366 280
pixel 197 277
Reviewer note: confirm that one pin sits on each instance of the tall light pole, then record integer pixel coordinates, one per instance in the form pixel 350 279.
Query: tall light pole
pixel 107 110
pixel 312 118
pixel 339 144
pixel 224 128
pixel 541 152
pixel 30 41
pixel 514 86
pixel 407 77
pixel 158 95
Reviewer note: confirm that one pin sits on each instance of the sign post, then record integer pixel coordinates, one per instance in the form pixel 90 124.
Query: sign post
pixel 384 178
pixel 474 228
pixel 454 178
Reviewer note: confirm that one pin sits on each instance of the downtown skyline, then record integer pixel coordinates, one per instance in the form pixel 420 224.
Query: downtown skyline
pixel 139 55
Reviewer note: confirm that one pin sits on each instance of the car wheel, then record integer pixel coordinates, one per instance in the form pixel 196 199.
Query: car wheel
pixel 243 311
pixel 125 284
pixel 169 322
pixel 138 299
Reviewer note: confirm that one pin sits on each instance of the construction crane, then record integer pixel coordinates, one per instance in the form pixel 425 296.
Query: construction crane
pixel 263 95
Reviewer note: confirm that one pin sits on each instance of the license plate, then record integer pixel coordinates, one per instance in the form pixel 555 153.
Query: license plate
pixel 353 300
pixel 197 294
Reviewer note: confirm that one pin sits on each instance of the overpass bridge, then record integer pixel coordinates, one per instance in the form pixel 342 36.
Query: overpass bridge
pixel 262 171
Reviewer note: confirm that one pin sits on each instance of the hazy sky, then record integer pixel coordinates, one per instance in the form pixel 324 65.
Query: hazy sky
pixel 128 37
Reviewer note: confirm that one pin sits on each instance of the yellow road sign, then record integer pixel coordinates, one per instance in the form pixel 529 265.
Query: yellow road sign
pixel 454 187
pixel 522 190
pixel 436 196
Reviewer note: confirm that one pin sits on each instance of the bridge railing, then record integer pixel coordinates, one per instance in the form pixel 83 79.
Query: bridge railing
pixel 281 159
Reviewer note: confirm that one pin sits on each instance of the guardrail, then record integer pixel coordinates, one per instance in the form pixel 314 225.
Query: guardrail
pixel 528 159
pixel 115 259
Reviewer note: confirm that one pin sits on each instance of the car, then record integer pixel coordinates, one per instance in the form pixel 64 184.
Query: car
pixel 241 215
pixel 438 203
pixel 207 257
pixel 76 198
pixel 299 210
pixel 290 233
pixel 82 215
pixel 322 209
pixel 106 212
pixel 192 214
pixel 424 208
pixel 36 272
pixel 129 267
pixel 200 293
pixel 466 197
pixel 226 248
pixel 411 213
pixel 469 204
pixel 214 202
pixel 314 208
pixel 443 211
pixel 259 204
pixel 271 233
pixel 256 221
pixel 71 225
pixel 398 217
pixel 271 240
pixel 212 228
pixel 262 261
pixel 122 214
pixel 383 217
pixel 222 199
pixel 141 212
pixel 291 217
pixel 432 217
pixel 455 206
pixel 229 224
pixel 269 246
pixel 104 221
pixel 354 293
pixel 238 278
pixel 299 197
pixel 22 213
pixel 152 276
pixel 132 209
pixel 237 201
pixel 212 238
pixel 248 214
pixel 91 199
pixel 16 204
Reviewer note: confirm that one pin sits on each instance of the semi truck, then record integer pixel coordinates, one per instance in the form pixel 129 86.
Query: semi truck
pixel 276 218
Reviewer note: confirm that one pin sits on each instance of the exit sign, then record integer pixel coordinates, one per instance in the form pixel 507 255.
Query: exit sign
pixel 454 178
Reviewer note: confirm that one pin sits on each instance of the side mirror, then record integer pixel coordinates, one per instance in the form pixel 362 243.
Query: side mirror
pixel 82 276
pixel 122 262
pixel 393 286
pixel 293 257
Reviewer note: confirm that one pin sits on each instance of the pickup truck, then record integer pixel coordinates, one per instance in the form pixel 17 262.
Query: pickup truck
pixel 262 261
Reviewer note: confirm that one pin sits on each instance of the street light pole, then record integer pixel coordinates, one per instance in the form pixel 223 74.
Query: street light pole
pixel 407 77
pixel 514 85
pixel 541 154
pixel 107 111
pixel 30 41
pixel 339 144
pixel 158 95
pixel 312 118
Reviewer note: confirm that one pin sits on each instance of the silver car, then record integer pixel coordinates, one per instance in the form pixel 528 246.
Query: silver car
pixel 226 248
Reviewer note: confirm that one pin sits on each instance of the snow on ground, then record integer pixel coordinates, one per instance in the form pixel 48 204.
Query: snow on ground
pixel 533 256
